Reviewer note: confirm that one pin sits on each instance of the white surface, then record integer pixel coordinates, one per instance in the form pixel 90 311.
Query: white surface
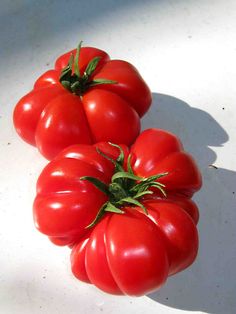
pixel 186 51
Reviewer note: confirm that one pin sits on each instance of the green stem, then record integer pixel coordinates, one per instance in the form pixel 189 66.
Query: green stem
pixel 77 83
pixel 125 187
pixel 76 61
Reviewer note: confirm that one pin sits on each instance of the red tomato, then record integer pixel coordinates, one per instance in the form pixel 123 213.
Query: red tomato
pixel 102 100
pixel 125 250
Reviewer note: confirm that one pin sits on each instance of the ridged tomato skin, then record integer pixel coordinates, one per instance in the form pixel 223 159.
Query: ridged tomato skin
pixel 52 117
pixel 158 151
pixel 120 260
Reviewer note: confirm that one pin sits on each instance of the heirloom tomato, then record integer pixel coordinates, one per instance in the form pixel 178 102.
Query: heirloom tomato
pixel 126 213
pixel 86 98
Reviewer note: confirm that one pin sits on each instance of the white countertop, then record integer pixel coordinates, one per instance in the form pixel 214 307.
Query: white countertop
pixel 186 51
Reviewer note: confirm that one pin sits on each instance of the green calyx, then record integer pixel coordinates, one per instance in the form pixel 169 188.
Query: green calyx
pixel 125 188
pixel 76 83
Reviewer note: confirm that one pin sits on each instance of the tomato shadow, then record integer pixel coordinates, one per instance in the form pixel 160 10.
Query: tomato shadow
pixel 209 285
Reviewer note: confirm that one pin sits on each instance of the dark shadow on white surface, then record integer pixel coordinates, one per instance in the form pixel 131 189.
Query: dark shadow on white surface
pixel 209 285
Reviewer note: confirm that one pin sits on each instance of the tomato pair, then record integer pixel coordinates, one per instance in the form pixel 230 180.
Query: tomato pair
pixel 126 213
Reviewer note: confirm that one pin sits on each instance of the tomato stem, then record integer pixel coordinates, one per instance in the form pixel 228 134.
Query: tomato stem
pixel 125 187
pixel 76 60
pixel 76 82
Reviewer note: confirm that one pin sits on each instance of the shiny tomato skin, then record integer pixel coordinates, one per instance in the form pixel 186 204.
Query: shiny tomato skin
pixel 108 111
pixel 136 253
pixel 180 232
pixel 130 85
pixel 111 113
pixel 48 78
pixel 28 110
pixel 136 263
pixel 65 205
pixel 52 131
pixel 88 154
pixel 77 259
pixel 183 175
pixel 159 144
pixel 96 262
pixel 188 205
pixel 165 154
pixel 120 260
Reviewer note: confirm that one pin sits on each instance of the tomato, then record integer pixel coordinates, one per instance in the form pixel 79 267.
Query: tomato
pixel 87 98
pixel 126 213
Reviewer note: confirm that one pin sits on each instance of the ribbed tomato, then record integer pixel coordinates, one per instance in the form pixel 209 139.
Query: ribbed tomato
pixel 127 214
pixel 86 98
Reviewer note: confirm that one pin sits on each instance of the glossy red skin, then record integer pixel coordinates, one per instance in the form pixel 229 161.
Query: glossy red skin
pixel 158 151
pixel 179 229
pixel 131 253
pixel 120 260
pixel 52 118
